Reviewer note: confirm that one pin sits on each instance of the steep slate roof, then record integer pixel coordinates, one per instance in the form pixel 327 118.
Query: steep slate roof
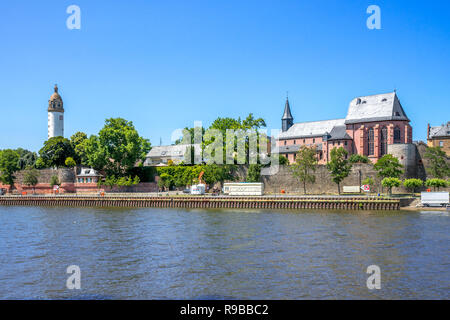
pixel 88 172
pixel 311 129
pixel 339 133
pixel 287 111
pixel 441 131
pixel 174 151
pixel 379 107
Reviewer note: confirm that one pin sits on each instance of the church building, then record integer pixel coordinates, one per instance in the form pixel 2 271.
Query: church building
pixel 373 124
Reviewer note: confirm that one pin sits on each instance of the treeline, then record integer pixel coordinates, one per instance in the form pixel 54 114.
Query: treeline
pixel 117 150
pixel 388 168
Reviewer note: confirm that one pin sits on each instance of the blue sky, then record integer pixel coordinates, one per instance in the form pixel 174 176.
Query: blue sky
pixel 165 64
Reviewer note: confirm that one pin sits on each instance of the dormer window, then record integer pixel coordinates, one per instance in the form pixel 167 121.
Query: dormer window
pixel 358 101
pixel 397 114
pixel 384 100
pixel 364 102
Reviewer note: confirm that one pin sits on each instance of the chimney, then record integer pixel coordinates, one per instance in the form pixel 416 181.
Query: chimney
pixel 428 132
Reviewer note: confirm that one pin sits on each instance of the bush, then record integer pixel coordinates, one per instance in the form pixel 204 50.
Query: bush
pixel 390 183
pixel 357 158
pixel 54 181
pixel 436 183
pixel 254 173
pixel 412 184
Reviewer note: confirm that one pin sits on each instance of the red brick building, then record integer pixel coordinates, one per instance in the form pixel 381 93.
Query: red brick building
pixel 372 124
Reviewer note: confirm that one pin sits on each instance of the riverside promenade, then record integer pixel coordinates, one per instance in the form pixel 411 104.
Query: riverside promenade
pixel 206 202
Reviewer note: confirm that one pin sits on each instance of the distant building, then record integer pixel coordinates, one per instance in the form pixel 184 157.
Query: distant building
pixel 55 115
pixel 88 175
pixel 373 123
pixel 439 137
pixel 160 155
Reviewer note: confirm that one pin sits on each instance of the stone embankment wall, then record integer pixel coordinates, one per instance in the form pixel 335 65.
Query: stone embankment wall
pixel 66 177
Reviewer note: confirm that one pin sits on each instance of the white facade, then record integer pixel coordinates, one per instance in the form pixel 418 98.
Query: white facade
pixel 55 115
pixel 55 124
pixel 244 189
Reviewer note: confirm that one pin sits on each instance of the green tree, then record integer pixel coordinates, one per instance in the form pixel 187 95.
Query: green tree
pixel 305 165
pixel 30 177
pixel 254 173
pixel 8 165
pixel 54 181
pixel 390 183
pixel 95 153
pixel 436 183
pixel 70 162
pixel 78 141
pixel 122 147
pixel 339 166
pixel 27 159
pixel 412 184
pixel 388 166
pixel 55 152
pixel 357 158
pixel 250 123
pixel 438 166
pixel 40 164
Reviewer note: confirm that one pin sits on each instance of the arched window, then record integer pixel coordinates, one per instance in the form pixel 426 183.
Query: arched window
pixel 370 142
pixel 383 141
pixel 397 135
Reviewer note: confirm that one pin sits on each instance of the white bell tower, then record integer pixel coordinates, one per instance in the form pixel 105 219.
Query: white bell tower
pixel 55 115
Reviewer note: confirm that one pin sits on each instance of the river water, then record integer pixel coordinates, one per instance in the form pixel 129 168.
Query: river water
pixel 222 254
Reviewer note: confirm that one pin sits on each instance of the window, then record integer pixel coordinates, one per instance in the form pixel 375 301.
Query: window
pixel 345 143
pixel 370 142
pixel 441 144
pixel 384 100
pixel 304 140
pixel 397 135
pixel 383 141
pixel 314 140
pixel 284 142
pixel 358 101
pixel 397 114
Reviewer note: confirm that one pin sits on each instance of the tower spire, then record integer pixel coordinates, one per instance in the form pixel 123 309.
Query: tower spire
pixel 287 120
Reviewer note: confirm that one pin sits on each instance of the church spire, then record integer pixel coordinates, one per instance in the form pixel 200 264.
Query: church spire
pixel 287 120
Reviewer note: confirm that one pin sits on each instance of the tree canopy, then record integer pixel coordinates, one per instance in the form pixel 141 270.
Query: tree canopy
pixel 30 177
pixel 78 141
pixel 388 166
pixel 339 166
pixel 438 165
pixel 27 159
pixel 305 166
pixel 8 165
pixel 55 152
pixel 117 148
